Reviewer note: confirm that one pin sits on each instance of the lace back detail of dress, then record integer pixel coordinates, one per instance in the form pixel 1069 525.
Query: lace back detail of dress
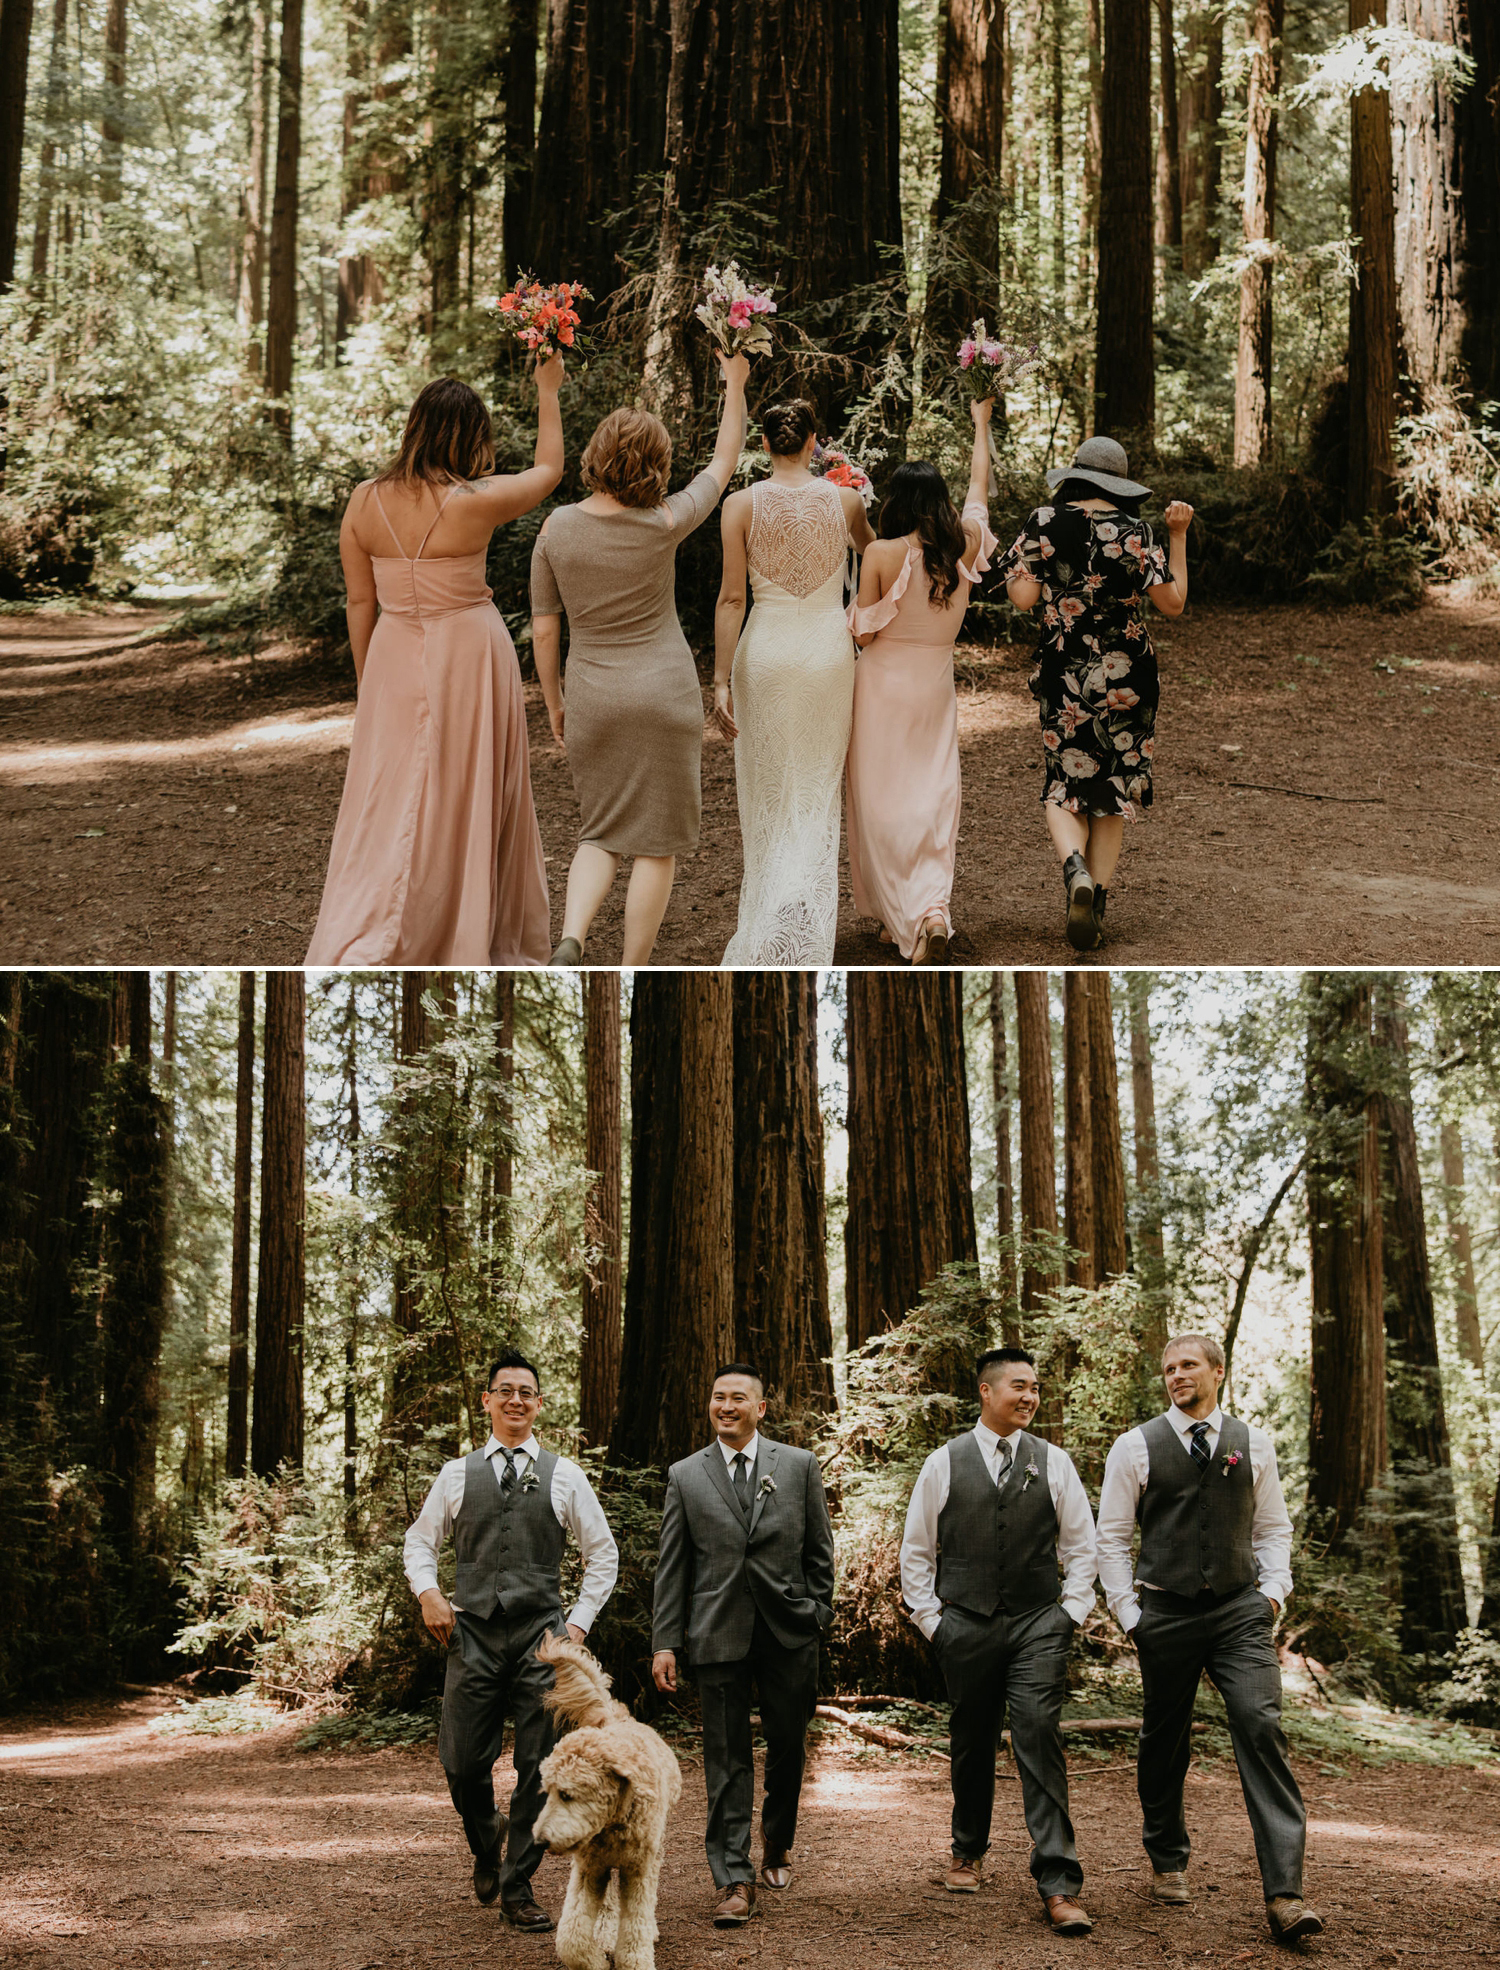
pixel 798 535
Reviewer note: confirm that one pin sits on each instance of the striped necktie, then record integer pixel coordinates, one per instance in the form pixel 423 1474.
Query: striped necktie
pixel 508 1481
pixel 1007 1457
pixel 1200 1445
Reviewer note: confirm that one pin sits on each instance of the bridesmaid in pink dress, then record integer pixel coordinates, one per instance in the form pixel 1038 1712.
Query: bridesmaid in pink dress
pixel 436 856
pixel 902 789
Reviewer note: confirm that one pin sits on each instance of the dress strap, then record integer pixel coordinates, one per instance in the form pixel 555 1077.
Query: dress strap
pixel 442 508
pixel 388 527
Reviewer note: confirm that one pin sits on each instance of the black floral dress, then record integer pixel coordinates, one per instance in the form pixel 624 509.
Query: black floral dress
pixel 1095 679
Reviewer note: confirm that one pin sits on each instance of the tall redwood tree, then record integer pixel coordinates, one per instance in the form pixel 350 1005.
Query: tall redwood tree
pixel 1124 342
pixel 280 1288
pixel 599 1361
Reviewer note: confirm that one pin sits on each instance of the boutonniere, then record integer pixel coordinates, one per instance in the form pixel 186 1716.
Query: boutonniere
pixel 1228 1463
pixel 530 1481
pixel 1031 1472
pixel 767 1485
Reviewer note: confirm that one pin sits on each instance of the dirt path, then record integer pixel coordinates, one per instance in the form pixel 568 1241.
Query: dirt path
pixel 174 803
pixel 127 1846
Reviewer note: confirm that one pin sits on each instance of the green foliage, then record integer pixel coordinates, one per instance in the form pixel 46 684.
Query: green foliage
pixel 621 1638
pixel 1376 564
pixel 1471 1692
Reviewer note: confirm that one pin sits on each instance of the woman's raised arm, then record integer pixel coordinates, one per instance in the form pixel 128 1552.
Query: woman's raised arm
pixel 979 459
pixel 731 439
pixel 508 495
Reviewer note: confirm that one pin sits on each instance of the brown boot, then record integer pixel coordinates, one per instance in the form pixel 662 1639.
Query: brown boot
pixel 1291 1919
pixel 962 1877
pixel 1170 1888
pixel 1067 1917
pixel 776 1869
pixel 736 1905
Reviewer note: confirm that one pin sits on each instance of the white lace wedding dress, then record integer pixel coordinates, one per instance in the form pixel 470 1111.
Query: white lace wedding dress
pixel 793 685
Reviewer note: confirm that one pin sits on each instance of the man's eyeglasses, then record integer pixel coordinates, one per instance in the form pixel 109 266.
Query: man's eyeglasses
pixel 506 1390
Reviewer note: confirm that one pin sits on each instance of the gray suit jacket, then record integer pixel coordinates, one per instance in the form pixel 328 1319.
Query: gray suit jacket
pixel 715 1571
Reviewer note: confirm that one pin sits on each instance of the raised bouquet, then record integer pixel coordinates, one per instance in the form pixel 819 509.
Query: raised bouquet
pixel 736 314
pixel 990 367
pixel 839 469
pixel 543 319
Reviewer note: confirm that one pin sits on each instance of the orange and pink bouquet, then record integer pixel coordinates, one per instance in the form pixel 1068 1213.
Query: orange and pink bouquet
pixel 839 469
pixel 543 319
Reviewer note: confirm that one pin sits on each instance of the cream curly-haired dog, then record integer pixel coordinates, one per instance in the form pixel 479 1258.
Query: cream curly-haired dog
pixel 610 1785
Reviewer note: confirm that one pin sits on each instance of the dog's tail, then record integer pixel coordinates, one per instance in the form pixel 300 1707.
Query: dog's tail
pixel 580 1691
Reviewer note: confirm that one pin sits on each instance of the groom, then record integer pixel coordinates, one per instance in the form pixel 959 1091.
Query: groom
pixel 1213 1575
pixel 744 1581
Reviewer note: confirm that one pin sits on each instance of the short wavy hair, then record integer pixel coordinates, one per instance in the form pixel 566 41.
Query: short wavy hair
pixel 448 435
pixel 628 457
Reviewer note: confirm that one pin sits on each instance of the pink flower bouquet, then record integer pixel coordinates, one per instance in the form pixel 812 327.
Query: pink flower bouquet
pixel 736 314
pixel 839 469
pixel 543 319
pixel 990 367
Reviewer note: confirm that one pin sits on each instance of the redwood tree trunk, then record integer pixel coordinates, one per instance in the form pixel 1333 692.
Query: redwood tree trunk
pixel 1150 1245
pixel 1433 1609
pixel 1346 1434
pixel 1111 1252
pixel 1124 349
pixel 354 268
pixel 46 177
pixel 1079 1221
pixel 520 134
pixel 1461 1243
pixel 1038 1144
pixel 1200 117
pixel 1252 386
pixel 1005 1195
pixel 1168 143
pixel 237 1427
pixel 276 1422
pixel 599 1365
pixel 252 297
pixel 1093 144
pixel 15 58
pixel 410 1377
pixel 911 1204
pixel 782 1319
pixel 112 120
pixel 679 1287
pixel 1372 298
pixel 970 115
pixel 281 309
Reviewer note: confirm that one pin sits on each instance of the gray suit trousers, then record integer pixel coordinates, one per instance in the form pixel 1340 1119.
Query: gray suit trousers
pixel 1176 1640
pixel 1020 1663
pixel 492 1669
pixel 787 1682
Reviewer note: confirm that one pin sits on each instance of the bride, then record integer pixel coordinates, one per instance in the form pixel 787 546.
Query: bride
pixel 784 691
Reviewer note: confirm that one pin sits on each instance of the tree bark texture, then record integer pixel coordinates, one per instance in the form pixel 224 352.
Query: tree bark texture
pixel 603 1295
pixel 1373 323
pixel 133 1306
pixel 1150 1244
pixel 1111 1250
pixel 15 59
pixel 1125 349
pixel 237 1425
pixel 112 118
pixel 521 24
pixel 1252 383
pixel 354 268
pixel 1199 136
pixel 281 306
pixel 1168 140
pixel 1461 1244
pixel 911 1202
pixel 280 1287
pixel 253 249
pixel 679 1287
pixel 1079 1220
pixel 1005 1193
pixel 1347 1432
pixel 1093 145
pixel 1038 1135
pixel 1433 1608
pixel 971 125
pixel 782 1319
pixel 448 121
pixel 64 1054
pixel 46 177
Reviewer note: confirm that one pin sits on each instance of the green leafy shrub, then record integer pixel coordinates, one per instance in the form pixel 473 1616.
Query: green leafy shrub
pixel 1472 1690
pixel 1377 564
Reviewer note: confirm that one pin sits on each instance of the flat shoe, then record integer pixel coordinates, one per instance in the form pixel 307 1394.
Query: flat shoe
pixel 1082 930
pixel 569 952
pixel 931 946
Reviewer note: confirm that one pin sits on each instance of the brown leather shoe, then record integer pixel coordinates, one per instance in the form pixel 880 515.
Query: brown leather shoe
pixel 962 1877
pixel 736 1905
pixel 1170 1888
pixel 1291 1919
pixel 1068 1917
pixel 776 1869
pixel 527 1917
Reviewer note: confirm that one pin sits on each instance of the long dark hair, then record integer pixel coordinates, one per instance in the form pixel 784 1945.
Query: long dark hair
pixel 448 436
pixel 918 503
pixel 1072 489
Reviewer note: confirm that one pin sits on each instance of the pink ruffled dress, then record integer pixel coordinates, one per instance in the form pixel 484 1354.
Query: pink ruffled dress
pixel 902 786
pixel 436 857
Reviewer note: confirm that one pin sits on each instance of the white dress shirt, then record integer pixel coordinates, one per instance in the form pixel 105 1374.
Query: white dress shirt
pixel 1125 1472
pixel 578 1511
pixel 751 1450
pixel 919 1542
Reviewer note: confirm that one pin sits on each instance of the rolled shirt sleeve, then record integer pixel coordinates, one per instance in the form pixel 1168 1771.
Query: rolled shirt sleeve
pixel 919 1543
pixel 1076 1544
pixel 1119 1495
pixel 579 1510
pixel 425 1537
pixel 1270 1523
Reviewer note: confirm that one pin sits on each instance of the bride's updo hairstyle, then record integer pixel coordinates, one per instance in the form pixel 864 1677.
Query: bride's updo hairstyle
pixel 448 436
pixel 787 427
pixel 918 503
pixel 628 457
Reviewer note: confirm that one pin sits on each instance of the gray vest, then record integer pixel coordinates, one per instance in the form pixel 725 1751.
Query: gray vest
pixel 508 1544
pixel 1195 1520
pixel 997 1544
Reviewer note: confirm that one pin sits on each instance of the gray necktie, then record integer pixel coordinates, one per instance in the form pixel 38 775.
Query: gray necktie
pixel 1007 1456
pixel 1200 1444
pixel 742 1479
pixel 508 1480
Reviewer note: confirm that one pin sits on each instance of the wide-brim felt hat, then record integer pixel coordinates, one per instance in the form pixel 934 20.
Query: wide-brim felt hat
pixel 1103 463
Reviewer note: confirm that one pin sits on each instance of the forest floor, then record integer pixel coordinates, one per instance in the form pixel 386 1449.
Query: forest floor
pixel 173 802
pixel 126 1843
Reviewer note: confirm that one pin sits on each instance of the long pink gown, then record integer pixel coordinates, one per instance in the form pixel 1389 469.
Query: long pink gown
pixel 902 786
pixel 436 857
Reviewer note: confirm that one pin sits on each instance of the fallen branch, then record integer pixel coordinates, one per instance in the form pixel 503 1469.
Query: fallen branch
pixel 1301 793
pixel 894 1740
pixel 887 1703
